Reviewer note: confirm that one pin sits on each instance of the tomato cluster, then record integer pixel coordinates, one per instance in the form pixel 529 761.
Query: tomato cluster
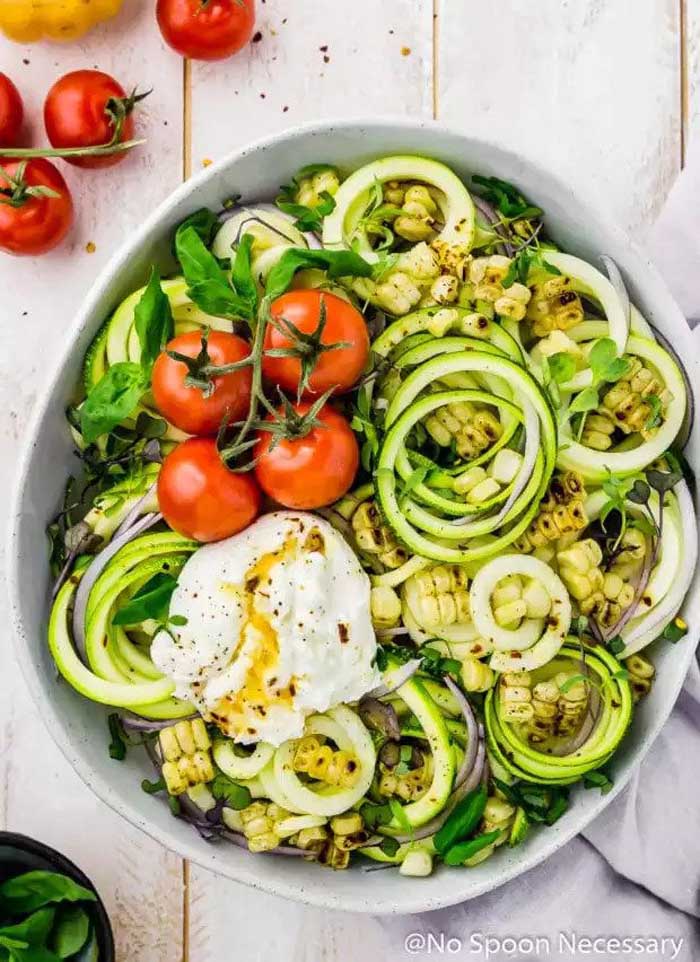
pixel 301 458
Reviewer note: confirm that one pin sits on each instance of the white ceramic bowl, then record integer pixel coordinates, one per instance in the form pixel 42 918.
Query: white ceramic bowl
pixel 78 726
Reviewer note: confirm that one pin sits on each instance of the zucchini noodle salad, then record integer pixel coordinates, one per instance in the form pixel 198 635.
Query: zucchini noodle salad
pixel 381 508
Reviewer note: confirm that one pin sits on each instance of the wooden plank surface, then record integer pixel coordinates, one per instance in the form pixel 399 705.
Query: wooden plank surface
pixel 590 89
pixel 39 792
pixel 593 89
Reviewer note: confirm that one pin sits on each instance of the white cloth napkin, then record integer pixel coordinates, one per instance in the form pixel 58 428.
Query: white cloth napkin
pixel 635 872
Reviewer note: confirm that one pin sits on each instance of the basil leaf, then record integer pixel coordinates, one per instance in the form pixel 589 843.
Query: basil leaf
pixel 235 795
pixel 337 263
pixel 112 399
pixel 562 367
pixel 33 953
pixel 153 319
pixel 389 846
pixel 587 400
pixel 34 930
pixel 32 890
pixel 459 853
pixel 151 601
pixel 204 222
pixel 242 275
pixel 71 931
pixel 462 821
pixel 207 283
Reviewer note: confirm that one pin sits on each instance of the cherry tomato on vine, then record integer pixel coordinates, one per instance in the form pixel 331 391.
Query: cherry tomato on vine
pixel 206 29
pixel 200 498
pixel 197 401
pixel 310 323
pixel 312 470
pixel 88 108
pixel 36 208
pixel 11 112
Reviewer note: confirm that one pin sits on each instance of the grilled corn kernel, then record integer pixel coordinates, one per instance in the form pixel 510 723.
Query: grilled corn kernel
pixel 398 293
pixel 347 824
pixel 476 676
pixel 438 596
pixel 415 225
pixel 334 857
pixel 510 613
pixel 626 404
pixel 385 607
pixel 561 512
pixel 185 748
pixel 445 289
pixel 311 838
pixel 505 466
pixel 453 258
pixel 321 762
pixel 641 672
pixel 375 537
pixel 516 701
pixel 394 193
pixel 484 491
pixel 421 262
pixel 554 306
pixel 498 816
pixel 508 589
pixel 471 478
pixel 537 600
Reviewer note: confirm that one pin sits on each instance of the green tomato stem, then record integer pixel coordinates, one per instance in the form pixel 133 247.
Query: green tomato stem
pixel 34 152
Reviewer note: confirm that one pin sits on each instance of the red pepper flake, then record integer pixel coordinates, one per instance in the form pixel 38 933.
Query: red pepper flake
pixel 257 37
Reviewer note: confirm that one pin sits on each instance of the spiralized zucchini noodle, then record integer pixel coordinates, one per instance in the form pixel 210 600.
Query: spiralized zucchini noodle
pixel 453 645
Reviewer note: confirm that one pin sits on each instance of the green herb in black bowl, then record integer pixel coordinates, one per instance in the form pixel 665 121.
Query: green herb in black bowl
pixel 49 910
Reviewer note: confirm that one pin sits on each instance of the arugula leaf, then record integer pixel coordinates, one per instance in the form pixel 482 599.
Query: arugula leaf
pixel 204 222
pixel 151 601
pixel 71 931
pixel 235 795
pixel 337 263
pixel 112 399
pixel 153 319
pixel 207 283
pixel 117 746
pixel 562 367
pixel 33 890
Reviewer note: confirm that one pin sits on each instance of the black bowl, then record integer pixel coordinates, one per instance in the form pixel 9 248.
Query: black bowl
pixel 19 854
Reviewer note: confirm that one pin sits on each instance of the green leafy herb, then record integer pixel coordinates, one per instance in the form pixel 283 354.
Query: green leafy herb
pixel 117 745
pixel 204 222
pixel 462 821
pixel 571 682
pixel 655 413
pixel 374 815
pixel 562 367
pixel 71 931
pixel 389 846
pixel 236 796
pixel 307 218
pixel 663 481
pixel 639 493
pixel 525 261
pixel 506 198
pixel 151 601
pixel 605 365
pixel 112 399
pixel 242 275
pixel 153 788
pixel 616 645
pixel 153 319
pixel 207 283
pixel 598 779
pixel 400 816
pixel 541 803
pixel 416 477
pixel 338 264
pixel 585 401
pixel 458 854
pixel 559 805
pixel 33 890
pixel 674 631
pixel 34 930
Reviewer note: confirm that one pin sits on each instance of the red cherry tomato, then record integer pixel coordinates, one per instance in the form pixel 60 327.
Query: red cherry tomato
pixel 339 368
pixel 33 223
pixel 206 29
pixel 11 112
pixel 187 407
pixel 80 111
pixel 311 471
pixel 200 498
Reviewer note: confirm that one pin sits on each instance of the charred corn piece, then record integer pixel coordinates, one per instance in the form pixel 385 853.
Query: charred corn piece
pixel 321 762
pixel 516 697
pixel 513 302
pixel 554 306
pixel 399 292
pixel 385 607
pixel 258 827
pixel 487 275
pixel 185 748
pixel 476 676
pixel 641 672
pixel 452 258
pixel 312 839
pixel 561 512
pixel 334 857
pixel 626 402
pixel 311 188
pixel 375 537
pixel 438 596
pixel 597 431
pixel 579 568
pixel 498 816
pixel 417 863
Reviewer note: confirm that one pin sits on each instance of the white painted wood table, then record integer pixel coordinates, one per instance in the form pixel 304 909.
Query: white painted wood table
pixel 603 91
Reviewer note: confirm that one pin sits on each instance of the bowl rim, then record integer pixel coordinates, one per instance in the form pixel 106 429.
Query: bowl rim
pixel 64 865
pixel 193 850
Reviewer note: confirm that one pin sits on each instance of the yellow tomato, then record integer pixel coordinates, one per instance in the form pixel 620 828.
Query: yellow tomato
pixel 28 20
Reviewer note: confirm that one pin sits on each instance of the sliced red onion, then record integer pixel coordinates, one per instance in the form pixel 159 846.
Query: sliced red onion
pixel 488 212
pixel 532 446
pixel 400 678
pixel 97 566
pixel 136 512
pixel 467 764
